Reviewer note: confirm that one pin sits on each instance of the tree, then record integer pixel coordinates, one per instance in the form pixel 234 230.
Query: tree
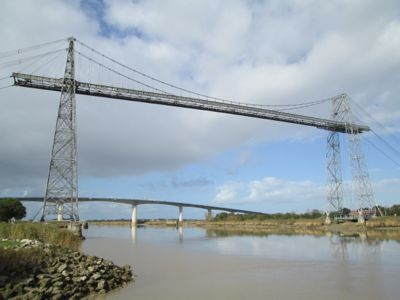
pixel 346 211
pixel 394 210
pixel 11 208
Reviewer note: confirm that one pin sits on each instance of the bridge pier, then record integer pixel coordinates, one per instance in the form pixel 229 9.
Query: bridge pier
pixel 180 219
pixel 328 220
pixel 134 214
pixel 60 209
pixel 209 214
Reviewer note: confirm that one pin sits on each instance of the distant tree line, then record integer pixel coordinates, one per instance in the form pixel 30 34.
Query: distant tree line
pixel 312 214
pixel 394 210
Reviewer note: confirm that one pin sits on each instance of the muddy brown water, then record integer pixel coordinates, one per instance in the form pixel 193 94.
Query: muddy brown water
pixel 196 263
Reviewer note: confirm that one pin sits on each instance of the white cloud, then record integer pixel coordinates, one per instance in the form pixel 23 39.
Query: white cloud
pixel 269 189
pixel 286 195
pixel 254 51
pixel 228 193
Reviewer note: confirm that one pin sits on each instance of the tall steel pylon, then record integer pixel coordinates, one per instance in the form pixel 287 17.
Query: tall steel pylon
pixel 334 162
pixel 61 197
pixel 362 188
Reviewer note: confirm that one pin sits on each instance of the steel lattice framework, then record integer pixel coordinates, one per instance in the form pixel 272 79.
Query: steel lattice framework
pixel 62 188
pixel 362 189
pixel 90 89
pixel 334 162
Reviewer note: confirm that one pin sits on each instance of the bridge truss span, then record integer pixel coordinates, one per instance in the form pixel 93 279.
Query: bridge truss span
pixel 105 91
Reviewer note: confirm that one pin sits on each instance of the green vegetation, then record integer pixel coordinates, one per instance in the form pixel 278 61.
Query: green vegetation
pixel 23 259
pixel 46 233
pixel 391 211
pixel 11 208
pixel 386 222
pixel 314 214
pixel 9 243
pixel 26 260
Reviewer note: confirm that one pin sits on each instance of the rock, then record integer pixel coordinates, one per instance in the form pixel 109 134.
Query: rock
pixel 45 283
pixel 96 276
pixel 62 274
pixel 90 269
pixel 57 296
pixel 58 284
pixel 101 285
pixel 61 268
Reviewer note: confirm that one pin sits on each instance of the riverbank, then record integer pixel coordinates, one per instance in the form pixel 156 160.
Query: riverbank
pixel 381 228
pixel 33 268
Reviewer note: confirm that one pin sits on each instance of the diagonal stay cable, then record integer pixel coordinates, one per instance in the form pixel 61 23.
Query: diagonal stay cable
pixel 28 58
pixel 375 120
pixel 5 87
pixel 119 73
pixel 192 92
pixel 382 152
pixel 386 143
pixel 27 49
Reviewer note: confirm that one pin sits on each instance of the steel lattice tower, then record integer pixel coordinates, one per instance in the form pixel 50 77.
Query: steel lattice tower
pixel 334 163
pixel 362 189
pixel 61 197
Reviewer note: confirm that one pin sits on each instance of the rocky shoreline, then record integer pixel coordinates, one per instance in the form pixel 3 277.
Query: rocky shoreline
pixel 59 273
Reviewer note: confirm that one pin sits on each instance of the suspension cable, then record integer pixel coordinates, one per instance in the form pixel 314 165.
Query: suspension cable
pixel 376 121
pixel 5 87
pixel 27 49
pixel 386 143
pixel 28 58
pixel 292 106
pixel 381 151
pixel 120 74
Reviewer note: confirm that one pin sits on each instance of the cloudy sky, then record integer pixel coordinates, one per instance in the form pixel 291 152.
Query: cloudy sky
pixel 264 52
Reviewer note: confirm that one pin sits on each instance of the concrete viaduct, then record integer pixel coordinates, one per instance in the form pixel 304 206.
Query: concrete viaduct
pixel 136 202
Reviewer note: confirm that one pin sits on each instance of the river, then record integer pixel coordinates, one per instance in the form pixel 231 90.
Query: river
pixel 195 263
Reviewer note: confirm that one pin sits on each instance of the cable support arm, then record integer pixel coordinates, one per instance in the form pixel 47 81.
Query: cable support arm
pixel 83 88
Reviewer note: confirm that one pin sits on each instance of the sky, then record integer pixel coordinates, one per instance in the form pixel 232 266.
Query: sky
pixel 263 52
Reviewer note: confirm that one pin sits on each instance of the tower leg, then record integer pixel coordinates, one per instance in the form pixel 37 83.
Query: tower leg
pixel 341 111
pixel 334 164
pixel 60 212
pixel 61 197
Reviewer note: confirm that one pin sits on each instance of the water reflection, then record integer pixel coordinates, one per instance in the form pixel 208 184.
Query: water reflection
pixel 134 232
pixel 342 246
pixel 195 263
pixel 180 230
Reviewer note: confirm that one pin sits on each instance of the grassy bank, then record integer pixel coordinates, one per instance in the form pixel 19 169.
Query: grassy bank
pixel 26 259
pixel 383 222
pixel 40 261
pixel 46 233
pixel 262 223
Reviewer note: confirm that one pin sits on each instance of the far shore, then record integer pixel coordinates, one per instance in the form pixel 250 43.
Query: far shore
pixel 383 228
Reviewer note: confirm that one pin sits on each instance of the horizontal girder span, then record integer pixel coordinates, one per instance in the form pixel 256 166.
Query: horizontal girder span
pixel 141 202
pixel 90 89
